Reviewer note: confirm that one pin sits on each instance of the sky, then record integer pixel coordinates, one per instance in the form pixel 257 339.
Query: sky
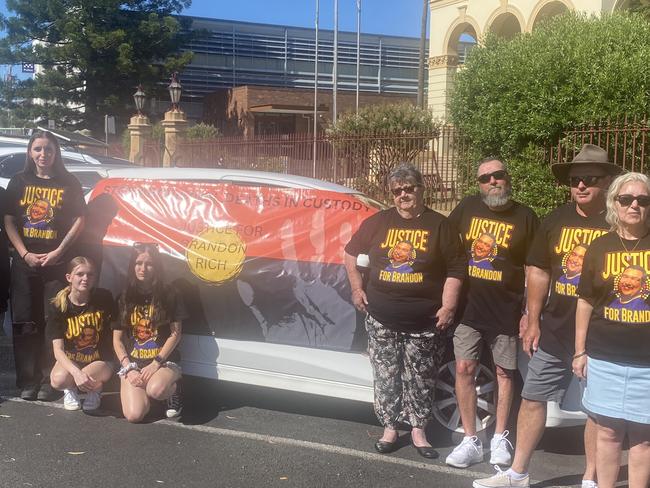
pixel 377 16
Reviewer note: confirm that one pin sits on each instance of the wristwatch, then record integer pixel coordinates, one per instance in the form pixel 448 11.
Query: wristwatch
pixel 160 360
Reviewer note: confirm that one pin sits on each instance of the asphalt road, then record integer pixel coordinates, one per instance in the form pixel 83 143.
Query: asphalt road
pixel 237 436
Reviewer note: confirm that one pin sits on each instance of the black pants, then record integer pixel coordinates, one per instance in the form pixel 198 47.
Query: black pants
pixel 31 291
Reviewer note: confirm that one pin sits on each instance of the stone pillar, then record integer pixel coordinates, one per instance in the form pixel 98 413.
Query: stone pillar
pixel 140 130
pixel 175 125
pixel 442 70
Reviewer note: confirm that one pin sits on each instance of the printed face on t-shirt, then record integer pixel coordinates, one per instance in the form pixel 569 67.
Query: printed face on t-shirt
pixel 574 261
pixel 87 338
pixel 631 281
pixel 38 211
pixel 484 246
pixel 401 253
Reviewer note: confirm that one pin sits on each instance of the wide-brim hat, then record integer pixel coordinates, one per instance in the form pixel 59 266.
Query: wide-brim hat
pixel 589 154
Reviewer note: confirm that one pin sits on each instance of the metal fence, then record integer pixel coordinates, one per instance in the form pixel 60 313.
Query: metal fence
pixel 627 140
pixel 359 162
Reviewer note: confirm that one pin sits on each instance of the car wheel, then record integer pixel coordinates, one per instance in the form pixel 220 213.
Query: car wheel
pixel 445 404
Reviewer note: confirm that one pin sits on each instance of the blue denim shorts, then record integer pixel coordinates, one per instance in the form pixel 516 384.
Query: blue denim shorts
pixel 618 391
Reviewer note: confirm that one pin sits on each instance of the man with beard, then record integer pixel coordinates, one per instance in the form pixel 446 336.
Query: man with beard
pixel 494 301
pixel 552 310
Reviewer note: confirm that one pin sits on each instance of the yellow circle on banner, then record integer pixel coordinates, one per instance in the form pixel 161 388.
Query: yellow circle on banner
pixel 216 255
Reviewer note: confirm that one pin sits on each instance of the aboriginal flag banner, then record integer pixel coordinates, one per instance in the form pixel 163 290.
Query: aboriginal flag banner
pixel 251 262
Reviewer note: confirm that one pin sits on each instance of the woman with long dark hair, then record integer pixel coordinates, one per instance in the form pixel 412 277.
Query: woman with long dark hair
pixel 78 325
pixel 146 335
pixel 44 215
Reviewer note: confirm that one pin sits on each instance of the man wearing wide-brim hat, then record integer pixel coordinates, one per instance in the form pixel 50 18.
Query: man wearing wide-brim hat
pixel 549 336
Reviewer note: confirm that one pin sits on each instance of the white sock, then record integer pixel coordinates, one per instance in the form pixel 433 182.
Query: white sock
pixel 516 476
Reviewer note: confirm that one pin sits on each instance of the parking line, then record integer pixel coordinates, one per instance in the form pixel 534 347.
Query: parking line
pixel 317 446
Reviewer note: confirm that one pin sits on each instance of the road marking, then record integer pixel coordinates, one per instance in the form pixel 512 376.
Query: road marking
pixel 317 446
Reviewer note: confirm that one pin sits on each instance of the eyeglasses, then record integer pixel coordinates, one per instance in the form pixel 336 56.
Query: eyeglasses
pixel 408 189
pixel 498 175
pixel 626 200
pixel 145 246
pixel 574 181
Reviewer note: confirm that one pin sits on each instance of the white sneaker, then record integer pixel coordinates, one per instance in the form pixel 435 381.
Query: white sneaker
pixel 71 399
pixel 468 452
pixel 499 452
pixel 92 401
pixel 589 484
pixel 502 479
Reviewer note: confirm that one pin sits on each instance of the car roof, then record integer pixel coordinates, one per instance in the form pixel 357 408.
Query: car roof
pixel 234 175
pixel 81 157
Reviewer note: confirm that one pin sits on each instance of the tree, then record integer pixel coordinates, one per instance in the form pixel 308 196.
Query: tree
pixel 93 54
pixel 571 70
pixel 379 137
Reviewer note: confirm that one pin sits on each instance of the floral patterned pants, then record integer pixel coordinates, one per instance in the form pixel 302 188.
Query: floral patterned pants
pixel 404 366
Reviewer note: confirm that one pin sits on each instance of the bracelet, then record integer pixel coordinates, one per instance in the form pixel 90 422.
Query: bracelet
pixel 123 358
pixel 23 256
pixel 580 355
pixel 125 369
pixel 159 360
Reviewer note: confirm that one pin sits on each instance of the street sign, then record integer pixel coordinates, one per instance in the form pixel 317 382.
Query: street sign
pixel 109 124
pixel 28 67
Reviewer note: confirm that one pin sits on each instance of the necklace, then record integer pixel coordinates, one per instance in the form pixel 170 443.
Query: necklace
pixel 625 247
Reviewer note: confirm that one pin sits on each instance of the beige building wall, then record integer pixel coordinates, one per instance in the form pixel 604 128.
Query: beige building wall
pixel 449 19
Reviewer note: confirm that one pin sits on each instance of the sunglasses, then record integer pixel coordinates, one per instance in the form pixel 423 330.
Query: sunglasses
pixel 626 200
pixel 574 181
pixel 408 189
pixel 145 246
pixel 498 175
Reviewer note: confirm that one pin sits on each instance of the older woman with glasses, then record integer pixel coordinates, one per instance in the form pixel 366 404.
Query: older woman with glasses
pixel 613 333
pixel 416 269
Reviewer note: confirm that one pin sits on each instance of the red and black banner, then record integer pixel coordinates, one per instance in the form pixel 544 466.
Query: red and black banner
pixel 252 262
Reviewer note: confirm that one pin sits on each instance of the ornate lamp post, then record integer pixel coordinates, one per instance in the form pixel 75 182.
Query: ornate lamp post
pixel 139 128
pixel 175 89
pixel 174 123
pixel 139 97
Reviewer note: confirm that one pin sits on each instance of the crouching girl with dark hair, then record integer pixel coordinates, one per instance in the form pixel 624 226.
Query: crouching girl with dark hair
pixel 146 335
pixel 79 327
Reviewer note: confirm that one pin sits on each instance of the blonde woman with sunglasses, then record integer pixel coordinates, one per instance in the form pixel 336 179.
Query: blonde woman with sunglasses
pixel 613 333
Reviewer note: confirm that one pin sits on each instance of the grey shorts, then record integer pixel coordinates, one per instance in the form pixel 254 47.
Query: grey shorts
pixel 468 344
pixel 548 377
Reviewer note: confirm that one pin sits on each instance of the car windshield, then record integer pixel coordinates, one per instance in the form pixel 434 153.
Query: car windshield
pixel 370 202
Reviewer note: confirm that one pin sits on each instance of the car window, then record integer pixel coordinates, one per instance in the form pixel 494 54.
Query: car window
pixel 88 179
pixel 12 164
pixel 370 202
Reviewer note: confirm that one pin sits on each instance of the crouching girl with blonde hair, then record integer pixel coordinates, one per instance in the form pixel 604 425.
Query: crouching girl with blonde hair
pixel 79 326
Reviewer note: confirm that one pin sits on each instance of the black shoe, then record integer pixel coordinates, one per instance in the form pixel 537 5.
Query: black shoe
pixel 385 447
pixel 175 403
pixel 47 393
pixel 427 452
pixel 29 393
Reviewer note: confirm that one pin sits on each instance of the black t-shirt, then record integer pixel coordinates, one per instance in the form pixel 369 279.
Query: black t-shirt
pixel 85 329
pixel 4 254
pixel 559 247
pixel 44 208
pixel 616 281
pixel 496 244
pixel 147 329
pixel 409 262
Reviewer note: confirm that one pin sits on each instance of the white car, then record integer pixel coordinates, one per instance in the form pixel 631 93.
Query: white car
pixel 258 258
pixel 12 161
